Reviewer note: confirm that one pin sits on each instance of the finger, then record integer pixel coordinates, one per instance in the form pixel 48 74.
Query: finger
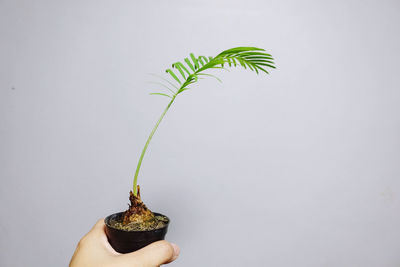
pixel 176 252
pixel 96 238
pixel 99 226
pixel 155 254
pixel 97 232
pixel 98 229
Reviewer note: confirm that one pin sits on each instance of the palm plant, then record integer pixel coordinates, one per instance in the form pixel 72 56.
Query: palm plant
pixel 183 74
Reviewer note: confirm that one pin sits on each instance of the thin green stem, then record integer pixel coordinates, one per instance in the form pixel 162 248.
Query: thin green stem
pixel 147 144
pixel 154 130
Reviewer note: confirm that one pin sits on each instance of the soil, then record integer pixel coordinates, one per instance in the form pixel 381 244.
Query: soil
pixel 158 222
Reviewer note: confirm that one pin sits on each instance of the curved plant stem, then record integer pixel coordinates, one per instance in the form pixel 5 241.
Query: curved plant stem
pixel 252 58
pixel 147 144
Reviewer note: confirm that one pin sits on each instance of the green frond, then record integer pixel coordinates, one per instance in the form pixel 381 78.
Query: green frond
pixel 173 75
pixel 204 58
pixel 210 75
pixel 234 61
pixel 199 59
pixel 245 54
pixel 241 62
pixel 180 70
pixel 194 60
pixel 163 85
pixel 262 69
pixel 260 60
pixel 250 66
pixel 189 64
pixel 258 57
pixel 229 61
pixel 265 64
pixel 252 58
pixel 179 65
pixel 161 94
pixel 162 78
pixel 239 50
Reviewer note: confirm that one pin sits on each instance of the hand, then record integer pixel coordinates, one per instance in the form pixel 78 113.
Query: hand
pixel 94 250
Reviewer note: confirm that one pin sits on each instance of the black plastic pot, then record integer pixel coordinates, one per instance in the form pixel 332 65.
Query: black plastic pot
pixel 128 241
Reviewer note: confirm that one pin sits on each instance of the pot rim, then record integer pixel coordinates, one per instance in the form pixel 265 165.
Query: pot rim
pixel 108 218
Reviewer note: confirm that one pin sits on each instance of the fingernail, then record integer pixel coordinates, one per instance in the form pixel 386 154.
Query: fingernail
pixel 176 250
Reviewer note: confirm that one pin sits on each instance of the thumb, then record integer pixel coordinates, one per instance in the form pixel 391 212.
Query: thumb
pixel 155 254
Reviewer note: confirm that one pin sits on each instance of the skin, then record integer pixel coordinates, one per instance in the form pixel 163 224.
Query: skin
pixel 93 250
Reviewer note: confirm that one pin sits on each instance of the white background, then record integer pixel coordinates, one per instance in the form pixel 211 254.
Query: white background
pixel 298 168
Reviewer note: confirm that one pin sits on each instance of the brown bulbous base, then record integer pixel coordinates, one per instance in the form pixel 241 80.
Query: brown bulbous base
pixel 137 212
pixel 138 217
